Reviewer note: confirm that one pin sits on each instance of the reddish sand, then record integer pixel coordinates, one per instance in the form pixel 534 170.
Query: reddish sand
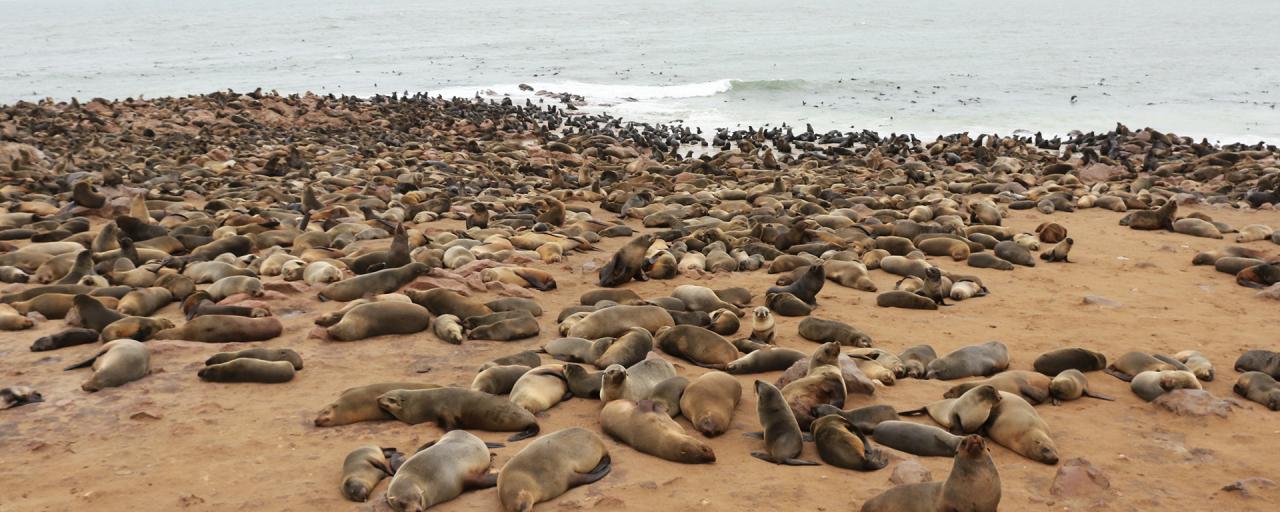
pixel 171 441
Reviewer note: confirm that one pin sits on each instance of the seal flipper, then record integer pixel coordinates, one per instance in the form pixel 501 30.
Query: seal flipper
pixel 596 473
pixel 494 445
pixel 525 434
pixel 914 412
pixel 87 362
pixel 799 462
pixel 1033 394
pixel 481 481
pixel 1171 362
pixel 754 435
pixel 1117 374
pixel 1099 396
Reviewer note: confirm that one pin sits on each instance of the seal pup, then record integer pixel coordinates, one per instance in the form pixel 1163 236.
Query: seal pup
pixel 550 466
pixel 1129 365
pixel 540 389
pixel 363 468
pixel 765 360
pixel 449 329
pixel 842 445
pixel 972 486
pixel 498 380
pixel 1071 384
pixel 440 472
pixel 1059 251
pixel 781 434
pixel 459 408
pixel 1259 387
pixel 1197 363
pixel 645 426
pixel 805 288
pixel 117 363
pixel 762 325
pixel 916 359
pixel 963 415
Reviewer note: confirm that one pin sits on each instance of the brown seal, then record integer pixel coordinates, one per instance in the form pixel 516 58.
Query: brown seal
pixel 65 338
pixel 440 472
pixel 971 361
pixel 786 304
pixel 806 288
pixel 765 360
pixel 697 345
pixel 379 319
pixel 1051 232
pixel 1150 384
pixel 645 426
pixel 224 329
pixel 361 404
pixel 523 358
pixel 265 354
pixel 455 408
pixel 626 264
pixel 1057 361
pixel 145 301
pixel 14 396
pixel 782 438
pixel 724 322
pixel 1198 363
pixel 709 402
pixel 988 260
pixel 1259 387
pixel 1264 361
pixel 117 363
pixel 824 331
pixel 842 445
pixel 864 419
pixel 916 438
pixel 582 383
pixel 1259 276
pixel 540 389
pixel 1161 218
pixel 140 328
pixel 1059 252
pixel 91 313
pixel 905 300
pixel 504 326
pixel 550 466
pixel 916 360
pixel 247 369
pixel 972 486
pixel 498 380
pixel 443 301
pixel 627 350
pixel 375 283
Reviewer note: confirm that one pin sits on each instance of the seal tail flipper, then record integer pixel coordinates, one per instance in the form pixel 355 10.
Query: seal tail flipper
pixel 481 481
pixel 525 434
pixel 595 474
pixel 1122 376
pixel 87 362
pixel 914 412
pixel 799 462
pixel 1099 396
pixel 494 445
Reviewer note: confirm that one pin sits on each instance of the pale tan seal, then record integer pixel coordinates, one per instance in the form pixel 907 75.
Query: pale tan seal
pixel 614 321
pixel 224 329
pixel 363 468
pixel 963 415
pixel 265 354
pixel 709 402
pixel 248 370
pixel 645 426
pixel 540 388
pixel 1071 384
pixel 440 472
pixel 380 319
pixel 550 466
pixel 117 363
pixel 697 345
pixel 1015 425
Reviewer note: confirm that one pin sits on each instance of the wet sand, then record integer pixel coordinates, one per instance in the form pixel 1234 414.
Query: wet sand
pixel 170 441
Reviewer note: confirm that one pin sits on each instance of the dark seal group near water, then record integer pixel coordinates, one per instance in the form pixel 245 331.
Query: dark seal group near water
pixel 400 207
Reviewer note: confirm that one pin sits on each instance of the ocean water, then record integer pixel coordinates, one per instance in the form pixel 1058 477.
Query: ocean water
pixel 1205 69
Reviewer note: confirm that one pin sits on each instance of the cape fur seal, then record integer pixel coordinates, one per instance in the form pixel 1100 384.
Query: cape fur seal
pixel 455 408
pixel 645 426
pixel 363 468
pixel 440 472
pixel 782 438
pixel 360 403
pixel 972 486
pixel 709 402
pixel 971 361
pixel 550 466
pixel 842 445
pixel 117 363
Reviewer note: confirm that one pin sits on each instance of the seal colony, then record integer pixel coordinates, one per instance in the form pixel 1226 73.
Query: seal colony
pixel 592 295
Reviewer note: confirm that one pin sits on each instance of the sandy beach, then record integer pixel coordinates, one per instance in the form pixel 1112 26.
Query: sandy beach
pixel 170 441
